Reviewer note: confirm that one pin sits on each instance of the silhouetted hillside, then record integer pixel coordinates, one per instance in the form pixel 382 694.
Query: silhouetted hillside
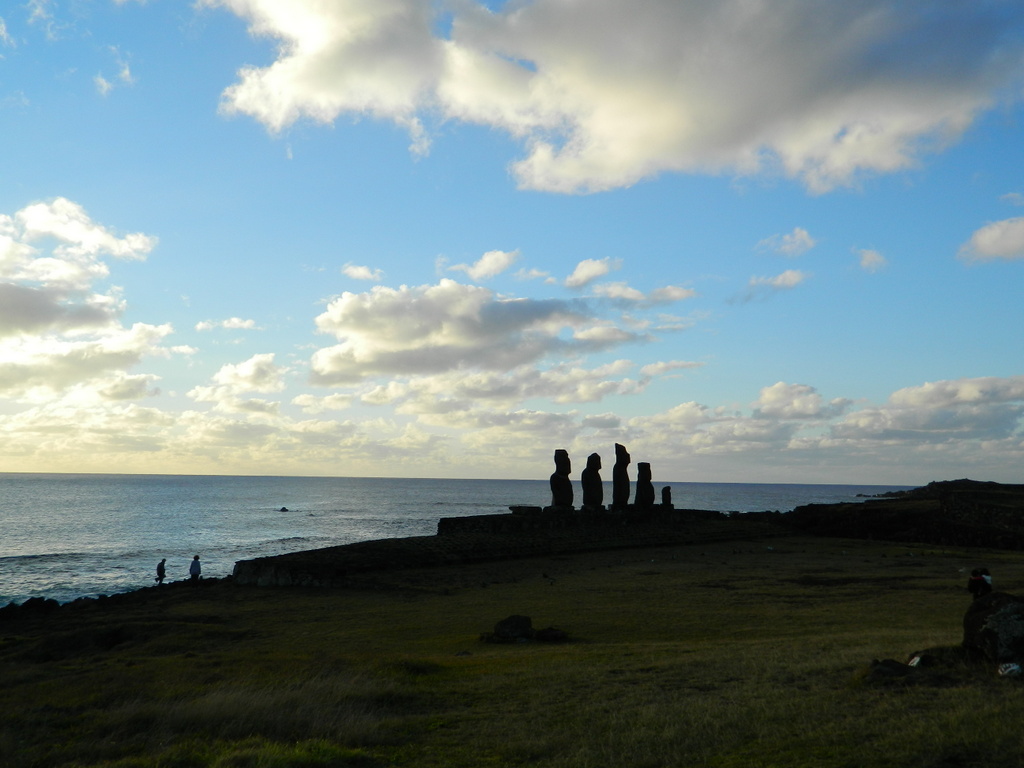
pixel 953 512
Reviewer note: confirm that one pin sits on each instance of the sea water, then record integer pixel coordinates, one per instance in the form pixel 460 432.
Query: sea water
pixel 65 536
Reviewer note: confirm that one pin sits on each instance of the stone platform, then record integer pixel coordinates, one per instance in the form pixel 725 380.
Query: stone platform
pixel 529 532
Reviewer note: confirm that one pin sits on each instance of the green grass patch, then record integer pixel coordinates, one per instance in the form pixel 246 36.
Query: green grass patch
pixel 729 655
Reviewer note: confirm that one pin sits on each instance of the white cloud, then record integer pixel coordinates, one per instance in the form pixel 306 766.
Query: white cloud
pixel 358 272
pixel 670 293
pixel 961 410
pixel 871 260
pixel 796 401
pixel 448 326
pixel 589 270
pixel 793 244
pixel 257 374
pixel 377 58
pixel 761 287
pixel 490 264
pixel 692 429
pixel 996 240
pixel 668 366
pixel 72 434
pixel 946 394
pixel 58 327
pixel 39 10
pixel 48 363
pixel 601 421
pixel 5 36
pixel 123 386
pixel 532 274
pixel 231 324
pixel 604 335
pixel 666 322
pixel 1013 198
pixel 313 404
pixel 103 86
pixel 29 309
pixel 821 93
pixel 458 391
pixel 791 278
pixel 124 72
pixel 75 260
pixel 621 291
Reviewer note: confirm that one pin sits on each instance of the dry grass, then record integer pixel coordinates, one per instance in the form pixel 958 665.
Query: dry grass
pixel 731 655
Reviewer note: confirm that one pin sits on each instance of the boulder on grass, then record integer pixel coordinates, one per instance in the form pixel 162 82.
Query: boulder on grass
pixel 519 629
pixel 514 628
pixel 994 628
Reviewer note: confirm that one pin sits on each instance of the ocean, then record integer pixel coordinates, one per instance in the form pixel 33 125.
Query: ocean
pixel 65 536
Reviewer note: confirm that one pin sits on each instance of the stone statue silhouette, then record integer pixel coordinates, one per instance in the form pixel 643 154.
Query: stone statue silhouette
pixel 644 498
pixel 561 486
pixel 620 479
pixel 593 488
pixel 666 497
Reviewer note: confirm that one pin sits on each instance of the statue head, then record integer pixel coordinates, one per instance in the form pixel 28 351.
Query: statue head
pixel 594 461
pixel 621 454
pixel 562 464
pixel 643 471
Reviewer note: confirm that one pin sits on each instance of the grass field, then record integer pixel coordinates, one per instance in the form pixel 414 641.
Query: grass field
pixel 730 655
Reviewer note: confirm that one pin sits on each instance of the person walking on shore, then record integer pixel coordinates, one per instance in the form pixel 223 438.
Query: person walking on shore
pixel 195 569
pixel 161 571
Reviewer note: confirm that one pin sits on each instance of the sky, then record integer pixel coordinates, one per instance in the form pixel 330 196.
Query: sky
pixel 751 240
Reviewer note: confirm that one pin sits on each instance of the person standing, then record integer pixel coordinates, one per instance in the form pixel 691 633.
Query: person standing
pixel 161 571
pixel 195 569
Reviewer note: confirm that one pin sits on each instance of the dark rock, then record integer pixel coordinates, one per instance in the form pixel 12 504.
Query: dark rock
pixel 888 669
pixel 514 628
pixel 519 629
pixel 551 635
pixel 34 606
pixel 994 628
pixel 936 671
pixel 521 509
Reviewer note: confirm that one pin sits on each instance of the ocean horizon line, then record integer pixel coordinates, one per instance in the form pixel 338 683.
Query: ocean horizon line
pixel 4 473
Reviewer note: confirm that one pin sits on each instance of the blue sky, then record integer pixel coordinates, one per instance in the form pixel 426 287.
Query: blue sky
pixel 752 241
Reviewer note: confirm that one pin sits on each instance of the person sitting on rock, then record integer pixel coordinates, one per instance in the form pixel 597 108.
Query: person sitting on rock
pixel 978 584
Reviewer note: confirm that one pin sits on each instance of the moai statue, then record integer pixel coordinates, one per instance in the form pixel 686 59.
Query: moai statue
pixel 561 486
pixel 620 479
pixel 644 488
pixel 593 488
pixel 666 497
